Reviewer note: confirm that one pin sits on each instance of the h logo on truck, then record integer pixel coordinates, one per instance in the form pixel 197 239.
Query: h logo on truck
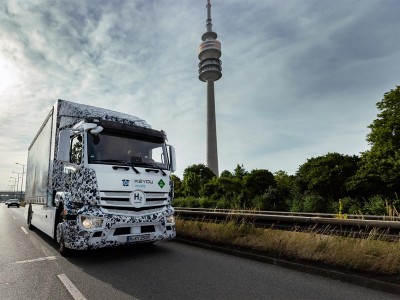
pixel 125 182
pixel 137 198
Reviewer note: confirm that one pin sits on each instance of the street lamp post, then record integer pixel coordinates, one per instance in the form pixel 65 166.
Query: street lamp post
pixel 18 174
pixel 23 172
pixel 15 183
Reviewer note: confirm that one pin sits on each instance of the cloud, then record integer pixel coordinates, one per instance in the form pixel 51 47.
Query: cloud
pixel 300 79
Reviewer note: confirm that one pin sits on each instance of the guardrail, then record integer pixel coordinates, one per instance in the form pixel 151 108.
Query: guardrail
pixel 354 225
pixel 284 213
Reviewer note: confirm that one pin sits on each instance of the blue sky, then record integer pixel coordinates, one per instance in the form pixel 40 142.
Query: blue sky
pixel 300 78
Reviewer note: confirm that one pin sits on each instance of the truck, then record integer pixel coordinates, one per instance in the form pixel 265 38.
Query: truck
pixel 99 178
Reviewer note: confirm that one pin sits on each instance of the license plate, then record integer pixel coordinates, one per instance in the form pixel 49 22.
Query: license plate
pixel 138 238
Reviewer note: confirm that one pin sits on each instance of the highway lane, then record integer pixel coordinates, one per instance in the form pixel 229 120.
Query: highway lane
pixel 30 268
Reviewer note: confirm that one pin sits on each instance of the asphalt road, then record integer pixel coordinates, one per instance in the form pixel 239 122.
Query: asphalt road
pixel 31 268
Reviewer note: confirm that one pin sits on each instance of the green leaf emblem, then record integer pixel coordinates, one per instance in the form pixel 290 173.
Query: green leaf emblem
pixel 161 183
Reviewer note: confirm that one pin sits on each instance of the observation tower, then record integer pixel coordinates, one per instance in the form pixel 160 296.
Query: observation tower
pixel 210 70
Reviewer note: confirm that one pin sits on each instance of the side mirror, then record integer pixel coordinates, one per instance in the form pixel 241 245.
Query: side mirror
pixel 172 159
pixel 64 145
pixel 96 130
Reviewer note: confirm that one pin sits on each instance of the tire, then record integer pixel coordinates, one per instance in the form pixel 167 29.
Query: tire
pixel 64 251
pixel 29 221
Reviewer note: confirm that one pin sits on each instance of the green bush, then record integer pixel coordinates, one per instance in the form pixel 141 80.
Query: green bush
pixel 375 206
pixel 186 202
pixel 206 202
pixel 314 203
pixel 351 206
pixel 295 204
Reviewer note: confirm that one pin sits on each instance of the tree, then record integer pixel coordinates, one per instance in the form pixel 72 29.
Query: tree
pixel 178 186
pixel 270 200
pixel 239 171
pixel 223 187
pixel 226 173
pixel 286 190
pixel 200 170
pixel 191 184
pixel 256 183
pixel 327 175
pixel 379 171
pixel 285 184
pixel 194 178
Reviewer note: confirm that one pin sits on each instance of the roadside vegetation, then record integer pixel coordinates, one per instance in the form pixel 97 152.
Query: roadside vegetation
pixel 368 184
pixel 370 254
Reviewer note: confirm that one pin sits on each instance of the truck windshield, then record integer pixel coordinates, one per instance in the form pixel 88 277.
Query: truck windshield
pixel 113 149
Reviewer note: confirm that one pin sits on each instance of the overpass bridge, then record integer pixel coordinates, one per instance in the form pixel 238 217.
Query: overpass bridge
pixel 5 195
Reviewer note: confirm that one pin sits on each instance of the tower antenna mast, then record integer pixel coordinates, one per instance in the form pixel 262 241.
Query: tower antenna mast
pixel 210 70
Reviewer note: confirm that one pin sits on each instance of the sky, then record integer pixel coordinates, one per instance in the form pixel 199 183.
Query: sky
pixel 301 78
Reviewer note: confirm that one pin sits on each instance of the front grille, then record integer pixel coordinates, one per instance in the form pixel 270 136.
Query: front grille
pixel 131 211
pixel 120 200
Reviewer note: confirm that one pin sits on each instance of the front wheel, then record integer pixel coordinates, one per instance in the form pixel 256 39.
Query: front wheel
pixel 64 251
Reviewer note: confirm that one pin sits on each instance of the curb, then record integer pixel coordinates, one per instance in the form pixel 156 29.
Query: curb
pixel 357 279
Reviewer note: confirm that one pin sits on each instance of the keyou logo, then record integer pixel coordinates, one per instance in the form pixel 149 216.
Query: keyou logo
pixel 125 182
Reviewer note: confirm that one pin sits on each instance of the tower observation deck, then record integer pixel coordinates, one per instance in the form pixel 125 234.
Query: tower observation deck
pixel 210 70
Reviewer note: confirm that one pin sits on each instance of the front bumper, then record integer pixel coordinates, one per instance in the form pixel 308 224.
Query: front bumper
pixel 117 230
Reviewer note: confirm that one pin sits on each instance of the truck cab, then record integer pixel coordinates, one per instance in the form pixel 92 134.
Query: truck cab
pixel 117 185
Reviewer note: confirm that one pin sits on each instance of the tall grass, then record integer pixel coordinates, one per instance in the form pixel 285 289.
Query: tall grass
pixel 368 254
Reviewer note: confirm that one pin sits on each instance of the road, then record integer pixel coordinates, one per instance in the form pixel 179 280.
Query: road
pixel 31 268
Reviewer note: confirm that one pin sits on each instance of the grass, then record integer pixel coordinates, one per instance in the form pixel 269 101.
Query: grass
pixel 368 254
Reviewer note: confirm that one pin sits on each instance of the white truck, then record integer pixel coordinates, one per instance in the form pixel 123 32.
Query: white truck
pixel 98 178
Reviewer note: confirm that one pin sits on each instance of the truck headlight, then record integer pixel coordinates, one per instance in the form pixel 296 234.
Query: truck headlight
pixel 91 222
pixel 170 219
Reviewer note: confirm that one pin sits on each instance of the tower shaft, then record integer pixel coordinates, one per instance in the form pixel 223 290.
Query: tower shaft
pixel 212 152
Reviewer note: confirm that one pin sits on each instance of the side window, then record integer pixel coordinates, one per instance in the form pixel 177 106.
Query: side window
pixel 76 150
pixel 157 154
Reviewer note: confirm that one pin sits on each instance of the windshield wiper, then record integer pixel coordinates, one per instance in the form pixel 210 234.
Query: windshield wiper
pixel 126 163
pixel 155 165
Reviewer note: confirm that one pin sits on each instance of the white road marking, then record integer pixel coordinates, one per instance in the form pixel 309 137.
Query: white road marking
pixel 14 218
pixel 75 293
pixel 24 230
pixel 37 259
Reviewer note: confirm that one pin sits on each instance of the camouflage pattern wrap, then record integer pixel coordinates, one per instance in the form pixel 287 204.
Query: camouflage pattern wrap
pixel 77 192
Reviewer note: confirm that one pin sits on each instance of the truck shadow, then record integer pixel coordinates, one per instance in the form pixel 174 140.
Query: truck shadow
pixel 110 254
pixel 128 269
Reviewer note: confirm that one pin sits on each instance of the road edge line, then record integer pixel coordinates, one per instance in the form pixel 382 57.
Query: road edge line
pixel 71 288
